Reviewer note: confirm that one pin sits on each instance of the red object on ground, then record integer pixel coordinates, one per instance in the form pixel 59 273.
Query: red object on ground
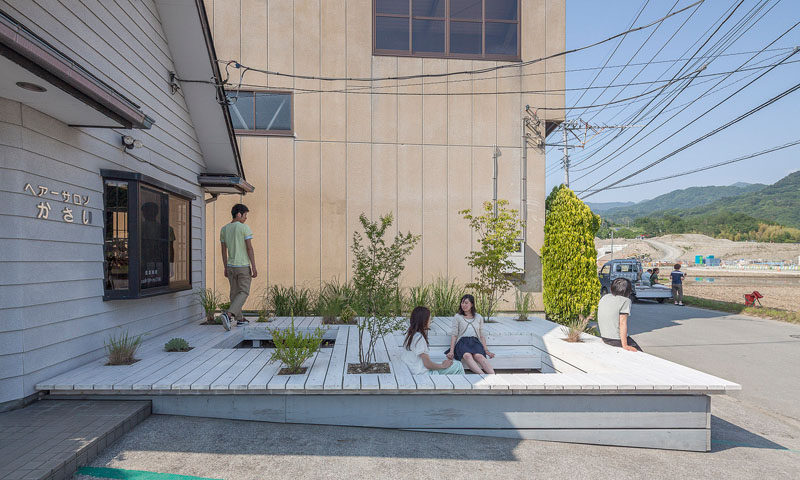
pixel 750 299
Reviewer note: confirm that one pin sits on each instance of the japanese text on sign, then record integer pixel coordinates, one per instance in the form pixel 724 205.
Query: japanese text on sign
pixel 70 198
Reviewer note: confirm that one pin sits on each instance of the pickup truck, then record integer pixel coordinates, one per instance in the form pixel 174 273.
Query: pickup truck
pixel 631 270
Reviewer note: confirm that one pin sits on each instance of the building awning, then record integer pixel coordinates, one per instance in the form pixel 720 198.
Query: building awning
pixel 222 184
pixel 188 33
pixel 35 73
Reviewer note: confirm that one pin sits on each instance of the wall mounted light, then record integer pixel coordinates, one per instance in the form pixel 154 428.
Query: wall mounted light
pixel 130 143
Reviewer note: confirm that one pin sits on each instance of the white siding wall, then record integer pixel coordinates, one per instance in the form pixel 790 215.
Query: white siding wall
pixel 52 315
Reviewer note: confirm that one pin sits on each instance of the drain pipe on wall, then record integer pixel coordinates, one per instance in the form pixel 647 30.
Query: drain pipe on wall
pixel 494 178
pixel 523 175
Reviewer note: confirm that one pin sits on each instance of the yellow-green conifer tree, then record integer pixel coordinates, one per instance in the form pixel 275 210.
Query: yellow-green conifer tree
pixel 569 257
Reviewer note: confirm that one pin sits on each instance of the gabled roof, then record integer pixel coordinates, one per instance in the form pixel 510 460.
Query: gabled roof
pixel 186 27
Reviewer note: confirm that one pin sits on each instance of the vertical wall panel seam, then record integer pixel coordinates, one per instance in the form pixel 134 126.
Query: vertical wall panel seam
pixel 294 165
pixel 319 68
pixel 266 158
pixel 346 150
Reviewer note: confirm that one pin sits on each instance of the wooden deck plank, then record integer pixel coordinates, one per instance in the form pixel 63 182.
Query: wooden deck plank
pixel 164 379
pixel 424 382
pixel 261 380
pixel 147 379
pixel 460 382
pixel 185 382
pixel 405 381
pixel 316 377
pixel 249 373
pixel 386 381
pixel 441 382
pixel 223 381
pixel 352 382
pixel 478 381
pixel 335 373
pixel 204 381
pixel 298 381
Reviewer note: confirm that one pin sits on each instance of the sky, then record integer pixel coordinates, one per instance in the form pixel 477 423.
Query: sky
pixel 589 21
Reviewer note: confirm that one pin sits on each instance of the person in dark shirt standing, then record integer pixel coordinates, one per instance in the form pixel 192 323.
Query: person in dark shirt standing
pixel 677 284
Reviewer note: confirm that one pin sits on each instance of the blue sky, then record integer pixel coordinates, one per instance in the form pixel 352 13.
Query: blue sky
pixel 590 21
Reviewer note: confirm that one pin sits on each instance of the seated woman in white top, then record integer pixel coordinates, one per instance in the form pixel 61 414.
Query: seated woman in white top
pixel 467 342
pixel 416 353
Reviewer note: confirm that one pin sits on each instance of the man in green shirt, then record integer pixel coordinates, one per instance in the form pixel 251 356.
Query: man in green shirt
pixel 239 262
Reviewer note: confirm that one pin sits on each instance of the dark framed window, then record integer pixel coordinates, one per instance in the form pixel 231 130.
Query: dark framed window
pixel 472 29
pixel 147 236
pixel 261 113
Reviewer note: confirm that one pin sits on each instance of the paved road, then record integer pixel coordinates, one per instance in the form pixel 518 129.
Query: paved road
pixel 761 355
pixel 755 434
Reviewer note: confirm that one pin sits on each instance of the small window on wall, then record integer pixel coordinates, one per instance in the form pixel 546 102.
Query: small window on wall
pixel 261 113
pixel 147 239
pixel 475 29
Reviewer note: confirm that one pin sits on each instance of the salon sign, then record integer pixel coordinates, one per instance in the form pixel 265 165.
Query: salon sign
pixel 50 198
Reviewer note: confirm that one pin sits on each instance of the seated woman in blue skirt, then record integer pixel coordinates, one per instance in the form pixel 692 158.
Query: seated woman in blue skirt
pixel 416 353
pixel 467 342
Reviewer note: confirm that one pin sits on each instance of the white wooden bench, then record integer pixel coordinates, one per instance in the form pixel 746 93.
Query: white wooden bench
pixel 512 352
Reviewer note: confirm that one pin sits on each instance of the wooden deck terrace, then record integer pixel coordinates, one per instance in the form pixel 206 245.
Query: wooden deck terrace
pixel 586 392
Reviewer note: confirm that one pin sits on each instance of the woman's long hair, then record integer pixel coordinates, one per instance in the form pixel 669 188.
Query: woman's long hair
pixel 471 300
pixel 419 320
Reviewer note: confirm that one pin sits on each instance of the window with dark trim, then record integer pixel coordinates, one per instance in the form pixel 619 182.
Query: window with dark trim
pixel 147 236
pixel 260 112
pixel 472 29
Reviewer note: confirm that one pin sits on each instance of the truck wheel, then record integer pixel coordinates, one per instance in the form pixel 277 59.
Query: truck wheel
pixel 661 300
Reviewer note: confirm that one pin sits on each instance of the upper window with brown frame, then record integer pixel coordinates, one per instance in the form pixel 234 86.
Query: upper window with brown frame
pixel 473 29
pixel 261 113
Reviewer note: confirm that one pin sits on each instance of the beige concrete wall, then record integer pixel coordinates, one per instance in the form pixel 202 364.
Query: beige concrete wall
pixel 420 149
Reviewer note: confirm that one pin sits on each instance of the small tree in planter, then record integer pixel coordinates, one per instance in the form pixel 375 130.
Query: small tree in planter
pixel 569 259
pixel 376 273
pixel 293 347
pixel 497 237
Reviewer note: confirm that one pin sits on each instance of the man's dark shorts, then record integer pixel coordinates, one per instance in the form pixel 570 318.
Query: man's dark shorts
pixel 618 343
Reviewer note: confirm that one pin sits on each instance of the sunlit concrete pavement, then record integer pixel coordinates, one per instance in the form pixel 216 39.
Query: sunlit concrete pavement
pixel 755 434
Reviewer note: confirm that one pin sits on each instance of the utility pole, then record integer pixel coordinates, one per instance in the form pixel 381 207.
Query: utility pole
pixel 612 244
pixel 566 159
pixel 572 126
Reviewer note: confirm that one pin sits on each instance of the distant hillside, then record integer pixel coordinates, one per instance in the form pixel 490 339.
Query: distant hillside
pixel 779 202
pixel 679 201
pixel 598 207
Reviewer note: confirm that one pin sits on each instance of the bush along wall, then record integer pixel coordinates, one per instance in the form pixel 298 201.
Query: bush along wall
pixel 569 268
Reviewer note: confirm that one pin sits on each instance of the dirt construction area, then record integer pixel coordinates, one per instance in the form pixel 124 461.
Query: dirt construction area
pixel 781 289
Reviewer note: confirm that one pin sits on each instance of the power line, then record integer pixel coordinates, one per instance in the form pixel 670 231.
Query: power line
pixel 707 167
pixel 238 65
pixel 719 49
pixel 610 157
pixel 702 114
pixel 701 138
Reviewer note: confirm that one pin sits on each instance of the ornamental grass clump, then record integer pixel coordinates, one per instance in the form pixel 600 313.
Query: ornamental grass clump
pixel 210 300
pixel 121 350
pixel 445 297
pixel 177 345
pixel 522 304
pixel 293 347
pixel 333 298
pixel 418 296
pixel 286 301
pixel 569 258
pixel 574 328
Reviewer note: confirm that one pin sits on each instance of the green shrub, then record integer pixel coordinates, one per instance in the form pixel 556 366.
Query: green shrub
pixel 210 301
pixel 177 345
pixel 285 300
pixel 569 258
pixel 224 306
pixel 293 347
pixel 445 297
pixel 498 237
pixel 376 273
pixel 348 316
pixel 121 350
pixel 522 304
pixel 482 304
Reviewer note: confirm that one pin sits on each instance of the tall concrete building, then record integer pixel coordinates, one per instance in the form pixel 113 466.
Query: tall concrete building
pixel 320 150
